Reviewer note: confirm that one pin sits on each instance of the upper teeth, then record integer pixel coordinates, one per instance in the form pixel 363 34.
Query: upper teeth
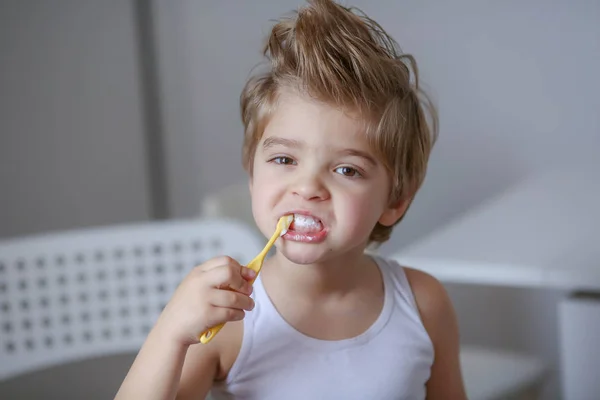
pixel 306 221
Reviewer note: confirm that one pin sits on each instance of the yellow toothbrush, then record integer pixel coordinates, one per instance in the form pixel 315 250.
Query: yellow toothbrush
pixel 256 264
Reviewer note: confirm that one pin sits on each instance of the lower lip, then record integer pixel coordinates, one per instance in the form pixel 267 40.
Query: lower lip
pixel 305 237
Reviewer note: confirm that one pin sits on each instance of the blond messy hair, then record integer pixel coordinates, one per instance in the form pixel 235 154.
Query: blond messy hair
pixel 341 57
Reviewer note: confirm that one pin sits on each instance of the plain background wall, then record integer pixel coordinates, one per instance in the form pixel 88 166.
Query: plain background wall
pixel 71 138
pixel 515 81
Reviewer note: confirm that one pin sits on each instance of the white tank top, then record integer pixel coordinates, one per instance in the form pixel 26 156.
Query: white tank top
pixel 391 360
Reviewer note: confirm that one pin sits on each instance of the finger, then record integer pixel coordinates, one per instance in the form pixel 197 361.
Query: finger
pixel 229 314
pixel 231 299
pixel 228 277
pixel 248 274
pixel 218 262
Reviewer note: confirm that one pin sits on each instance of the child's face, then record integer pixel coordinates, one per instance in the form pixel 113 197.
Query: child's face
pixel 315 160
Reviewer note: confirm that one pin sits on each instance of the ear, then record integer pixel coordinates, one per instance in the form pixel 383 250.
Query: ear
pixel 394 212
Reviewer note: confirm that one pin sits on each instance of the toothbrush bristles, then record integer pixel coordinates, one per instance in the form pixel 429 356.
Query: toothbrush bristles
pixel 288 222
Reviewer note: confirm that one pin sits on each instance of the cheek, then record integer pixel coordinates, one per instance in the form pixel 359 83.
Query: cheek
pixel 359 213
pixel 260 210
pixel 263 185
pixel 363 208
pixel 264 174
pixel 259 195
pixel 264 196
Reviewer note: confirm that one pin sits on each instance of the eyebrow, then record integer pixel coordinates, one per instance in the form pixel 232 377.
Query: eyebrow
pixel 291 143
pixel 277 141
pixel 357 153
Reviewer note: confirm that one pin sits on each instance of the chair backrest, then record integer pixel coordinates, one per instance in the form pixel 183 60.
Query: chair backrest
pixel 83 293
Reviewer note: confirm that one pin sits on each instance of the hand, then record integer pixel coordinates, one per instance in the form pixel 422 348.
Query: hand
pixel 212 293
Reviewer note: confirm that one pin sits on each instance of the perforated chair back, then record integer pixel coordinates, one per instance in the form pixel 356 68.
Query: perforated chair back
pixel 84 293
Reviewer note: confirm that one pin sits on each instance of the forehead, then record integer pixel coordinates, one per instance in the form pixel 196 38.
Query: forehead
pixel 316 123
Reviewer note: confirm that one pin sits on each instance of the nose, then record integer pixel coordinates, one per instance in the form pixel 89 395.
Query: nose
pixel 310 186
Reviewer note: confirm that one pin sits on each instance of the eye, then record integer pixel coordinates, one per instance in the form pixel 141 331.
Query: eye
pixel 348 171
pixel 283 160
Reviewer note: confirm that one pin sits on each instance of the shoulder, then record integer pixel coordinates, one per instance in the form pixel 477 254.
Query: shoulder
pixel 433 302
pixel 439 320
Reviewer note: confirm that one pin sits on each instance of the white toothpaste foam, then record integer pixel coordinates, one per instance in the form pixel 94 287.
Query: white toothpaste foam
pixel 306 223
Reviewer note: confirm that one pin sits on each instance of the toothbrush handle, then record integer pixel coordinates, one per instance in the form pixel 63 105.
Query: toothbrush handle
pixel 255 265
pixel 210 333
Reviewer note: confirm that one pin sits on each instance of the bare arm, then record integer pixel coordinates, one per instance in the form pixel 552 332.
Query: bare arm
pixel 206 363
pixel 439 319
pixel 215 292
pixel 156 371
pixel 198 374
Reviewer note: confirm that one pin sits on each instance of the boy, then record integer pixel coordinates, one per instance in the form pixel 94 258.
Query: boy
pixel 336 135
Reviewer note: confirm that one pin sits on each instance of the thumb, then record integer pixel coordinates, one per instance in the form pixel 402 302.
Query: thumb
pixel 248 273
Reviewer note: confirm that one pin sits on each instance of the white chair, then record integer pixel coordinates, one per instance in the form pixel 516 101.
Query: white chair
pixel 75 295
pixel 489 374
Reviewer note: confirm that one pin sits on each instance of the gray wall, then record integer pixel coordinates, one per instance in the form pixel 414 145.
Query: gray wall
pixel 71 139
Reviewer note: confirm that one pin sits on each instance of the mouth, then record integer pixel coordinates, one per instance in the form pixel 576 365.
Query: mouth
pixel 304 223
pixel 305 228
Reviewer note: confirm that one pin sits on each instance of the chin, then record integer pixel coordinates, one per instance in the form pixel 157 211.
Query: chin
pixel 303 253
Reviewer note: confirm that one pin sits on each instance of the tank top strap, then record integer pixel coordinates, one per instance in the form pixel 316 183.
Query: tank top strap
pixel 397 279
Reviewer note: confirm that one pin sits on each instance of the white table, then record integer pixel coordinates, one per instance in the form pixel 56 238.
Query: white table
pixel 541 233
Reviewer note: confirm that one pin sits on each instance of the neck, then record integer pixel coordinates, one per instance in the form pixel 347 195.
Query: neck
pixel 336 276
